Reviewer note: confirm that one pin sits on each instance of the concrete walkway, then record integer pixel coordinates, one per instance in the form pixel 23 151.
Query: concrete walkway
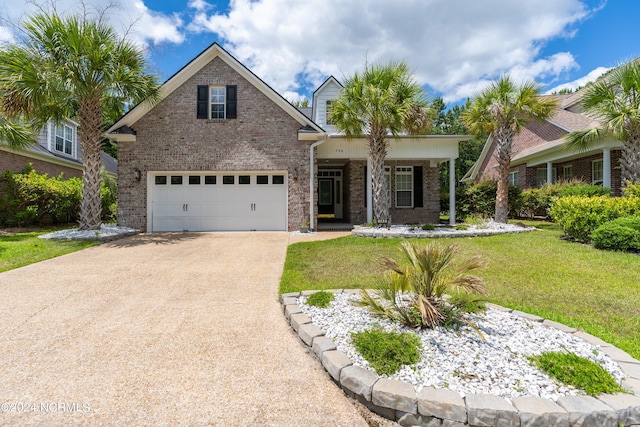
pixel 162 330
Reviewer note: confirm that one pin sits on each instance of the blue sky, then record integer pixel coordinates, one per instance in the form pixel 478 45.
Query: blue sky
pixel 455 47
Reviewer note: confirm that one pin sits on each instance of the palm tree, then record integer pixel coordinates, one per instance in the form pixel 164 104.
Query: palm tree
pixel 74 67
pixel 502 110
pixel 615 102
pixel 384 100
pixel 15 134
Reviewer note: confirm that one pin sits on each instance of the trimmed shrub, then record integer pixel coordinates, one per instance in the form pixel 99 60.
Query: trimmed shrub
pixel 480 199
pixel 621 234
pixel 31 198
pixel 631 190
pixel 386 352
pixel 537 201
pixel 580 216
pixel 320 299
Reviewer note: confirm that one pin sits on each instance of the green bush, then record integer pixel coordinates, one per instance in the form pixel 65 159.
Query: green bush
pixel 631 190
pixel 577 371
pixel 30 198
pixel 580 216
pixel 320 299
pixel 428 227
pixel 621 234
pixel 537 201
pixel 386 352
pixel 480 199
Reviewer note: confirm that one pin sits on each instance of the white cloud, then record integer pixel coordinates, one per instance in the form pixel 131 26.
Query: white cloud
pixel 6 35
pixel 149 26
pixel 582 81
pixel 199 5
pixel 452 46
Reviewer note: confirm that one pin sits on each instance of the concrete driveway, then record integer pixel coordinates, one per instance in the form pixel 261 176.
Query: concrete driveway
pixel 163 330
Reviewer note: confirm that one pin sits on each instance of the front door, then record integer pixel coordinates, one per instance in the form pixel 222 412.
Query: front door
pixel 326 204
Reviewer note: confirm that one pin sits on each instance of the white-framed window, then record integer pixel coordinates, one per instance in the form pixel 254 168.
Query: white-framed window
pixel 567 172
pixel 541 177
pixel 597 172
pixel 65 139
pixel 327 118
pixel 514 178
pixel 404 186
pixel 218 102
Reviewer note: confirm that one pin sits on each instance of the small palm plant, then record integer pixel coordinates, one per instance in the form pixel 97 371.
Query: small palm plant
pixel 413 293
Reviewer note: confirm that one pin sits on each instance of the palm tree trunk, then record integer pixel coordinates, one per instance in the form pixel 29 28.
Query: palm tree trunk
pixel 90 132
pixel 503 155
pixel 377 154
pixel 630 159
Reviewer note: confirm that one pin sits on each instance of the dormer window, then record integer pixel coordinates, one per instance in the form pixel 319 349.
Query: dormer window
pixel 64 139
pixel 217 102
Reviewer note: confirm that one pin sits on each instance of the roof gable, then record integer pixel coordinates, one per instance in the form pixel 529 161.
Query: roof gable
pixel 189 70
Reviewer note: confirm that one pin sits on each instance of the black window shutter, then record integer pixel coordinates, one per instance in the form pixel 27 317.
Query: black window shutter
pixel 365 186
pixel 232 102
pixel 203 102
pixel 417 187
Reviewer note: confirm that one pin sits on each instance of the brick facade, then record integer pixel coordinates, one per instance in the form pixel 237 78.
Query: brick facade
pixel 171 138
pixel 16 163
pixel 355 195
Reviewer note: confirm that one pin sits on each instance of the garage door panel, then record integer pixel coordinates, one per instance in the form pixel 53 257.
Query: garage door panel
pixel 223 207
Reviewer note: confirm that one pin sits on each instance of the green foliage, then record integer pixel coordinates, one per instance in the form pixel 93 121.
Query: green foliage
pixel 577 371
pixel 413 293
pixel 537 201
pixel 428 227
pixel 386 352
pixel 480 199
pixel 621 234
pixel 461 227
pixel 320 299
pixel 109 197
pixel 468 303
pixel 631 190
pixel 580 216
pixel 30 198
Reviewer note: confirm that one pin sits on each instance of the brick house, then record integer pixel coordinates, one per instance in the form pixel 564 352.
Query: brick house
pixel 56 151
pixel 539 156
pixel 223 151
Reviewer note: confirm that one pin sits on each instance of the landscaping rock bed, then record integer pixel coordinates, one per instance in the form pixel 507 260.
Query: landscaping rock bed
pixel 400 400
pixel 489 228
pixel 107 233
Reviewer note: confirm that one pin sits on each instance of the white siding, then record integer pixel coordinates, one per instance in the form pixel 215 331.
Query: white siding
pixel 328 92
pixel 428 147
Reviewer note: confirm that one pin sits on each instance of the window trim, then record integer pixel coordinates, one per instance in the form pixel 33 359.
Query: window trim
pixel 327 110
pixel 593 172
pixel 564 172
pixel 72 141
pixel 540 183
pixel 223 103
pixel 514 178
pixel 404 171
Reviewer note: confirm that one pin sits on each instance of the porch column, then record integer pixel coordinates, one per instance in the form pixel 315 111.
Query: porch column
pixel 606 168
pixel 549 173
pixel 369 194
pixel 452 191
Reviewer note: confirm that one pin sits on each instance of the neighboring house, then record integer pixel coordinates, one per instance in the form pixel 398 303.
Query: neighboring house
pixel 57 151
pixel 539 156
pixel 224 151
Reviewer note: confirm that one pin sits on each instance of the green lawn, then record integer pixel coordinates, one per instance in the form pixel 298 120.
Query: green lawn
pixel 21 249
pixel 536 272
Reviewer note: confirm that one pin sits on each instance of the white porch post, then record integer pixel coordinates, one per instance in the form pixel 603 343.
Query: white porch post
pixel 369 194
pixel 452 191
pixel 549 173
pixel 606 168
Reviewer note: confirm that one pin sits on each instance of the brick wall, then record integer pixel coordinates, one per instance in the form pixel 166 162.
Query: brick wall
pixel 170 138
pixel 16 163
pixel 429 213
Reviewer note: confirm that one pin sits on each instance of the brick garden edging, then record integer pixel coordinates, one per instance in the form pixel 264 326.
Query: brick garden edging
pixel 432 407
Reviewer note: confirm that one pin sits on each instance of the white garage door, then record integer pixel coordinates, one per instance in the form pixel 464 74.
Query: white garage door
pixel 218 201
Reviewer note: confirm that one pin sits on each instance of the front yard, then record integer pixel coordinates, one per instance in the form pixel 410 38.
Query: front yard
pixel 536 272
pixel 17 250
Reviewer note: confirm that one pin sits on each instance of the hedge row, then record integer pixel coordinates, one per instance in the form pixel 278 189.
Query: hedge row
pixel 31 198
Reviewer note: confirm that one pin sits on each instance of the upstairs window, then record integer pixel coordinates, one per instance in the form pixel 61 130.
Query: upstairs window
pixel 327 119
pixel 64 139
pixel 217 102
pixel 218 95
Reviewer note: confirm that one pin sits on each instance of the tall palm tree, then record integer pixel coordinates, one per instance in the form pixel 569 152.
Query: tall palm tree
pixel 73 67
pixel 614 101
pixel 384 100
pixel 502 110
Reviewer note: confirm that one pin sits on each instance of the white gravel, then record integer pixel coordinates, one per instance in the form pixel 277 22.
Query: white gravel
pixel 107 232
pixel 486 228
pixel 460 360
